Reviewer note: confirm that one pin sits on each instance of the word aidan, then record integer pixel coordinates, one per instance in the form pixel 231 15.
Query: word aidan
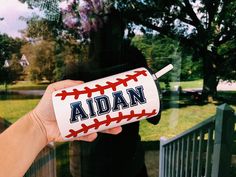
pixel 105 104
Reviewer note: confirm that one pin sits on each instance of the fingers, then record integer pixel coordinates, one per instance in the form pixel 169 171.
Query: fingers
pixel 113 131
pixel 63 84
pixel 89 138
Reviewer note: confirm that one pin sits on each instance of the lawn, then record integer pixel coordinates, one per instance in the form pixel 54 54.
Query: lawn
pixel 173 120
pixel 188 84
pixel 176 120
pixel 28 85
pixel 25 85
pixel 184 84
pixel 15 108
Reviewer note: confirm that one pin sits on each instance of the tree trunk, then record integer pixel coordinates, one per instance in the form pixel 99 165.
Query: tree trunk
pixel 210 80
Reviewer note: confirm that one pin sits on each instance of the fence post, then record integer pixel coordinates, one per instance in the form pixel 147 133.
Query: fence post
pixel 224 128
pixel 161 157
pixel 4 124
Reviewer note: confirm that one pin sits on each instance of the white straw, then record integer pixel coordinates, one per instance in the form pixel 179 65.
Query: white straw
pixel 163 71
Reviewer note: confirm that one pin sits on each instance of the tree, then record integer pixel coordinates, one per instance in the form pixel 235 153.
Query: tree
pixel 39 28
pixel 9 50
pixel 65 50
pixel 205 26
pixel 160 51
pixel 41 56
pixel 13 72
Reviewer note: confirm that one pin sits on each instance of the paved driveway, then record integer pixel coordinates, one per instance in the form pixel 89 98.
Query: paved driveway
pixel 226 86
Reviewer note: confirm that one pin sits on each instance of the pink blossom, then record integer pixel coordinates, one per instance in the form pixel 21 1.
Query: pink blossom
pixel 84 15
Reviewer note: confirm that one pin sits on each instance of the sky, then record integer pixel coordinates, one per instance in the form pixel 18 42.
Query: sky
pixel 11 10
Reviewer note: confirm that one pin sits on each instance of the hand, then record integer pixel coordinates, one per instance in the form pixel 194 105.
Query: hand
pixel 44 116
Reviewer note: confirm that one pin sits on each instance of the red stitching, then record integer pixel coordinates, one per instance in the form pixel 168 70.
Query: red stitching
pixel 108 120
pixel 98 88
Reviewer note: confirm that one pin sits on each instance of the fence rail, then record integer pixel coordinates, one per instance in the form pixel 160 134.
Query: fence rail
pixel 204 150
pixel 45 163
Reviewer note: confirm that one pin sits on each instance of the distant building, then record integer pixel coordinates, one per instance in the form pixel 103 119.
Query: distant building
pixel 23 62
pixel 7 63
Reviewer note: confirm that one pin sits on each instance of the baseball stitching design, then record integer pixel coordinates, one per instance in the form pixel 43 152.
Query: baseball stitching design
pixel 109 120
pixel 98 88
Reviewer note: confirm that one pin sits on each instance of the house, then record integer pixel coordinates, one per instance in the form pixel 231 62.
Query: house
pixel 7 63
pixel 23 62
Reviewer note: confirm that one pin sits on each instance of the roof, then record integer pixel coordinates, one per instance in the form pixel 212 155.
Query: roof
pixel 23 62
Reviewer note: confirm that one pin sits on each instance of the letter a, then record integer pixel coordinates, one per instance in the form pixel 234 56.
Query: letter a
pixel 77 111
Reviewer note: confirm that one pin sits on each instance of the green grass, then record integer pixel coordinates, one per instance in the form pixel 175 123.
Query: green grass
pixel 174 121
pixel 14 107
pixel 25 85
pixel 28 85
pixel 184 84
pixel 188 84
